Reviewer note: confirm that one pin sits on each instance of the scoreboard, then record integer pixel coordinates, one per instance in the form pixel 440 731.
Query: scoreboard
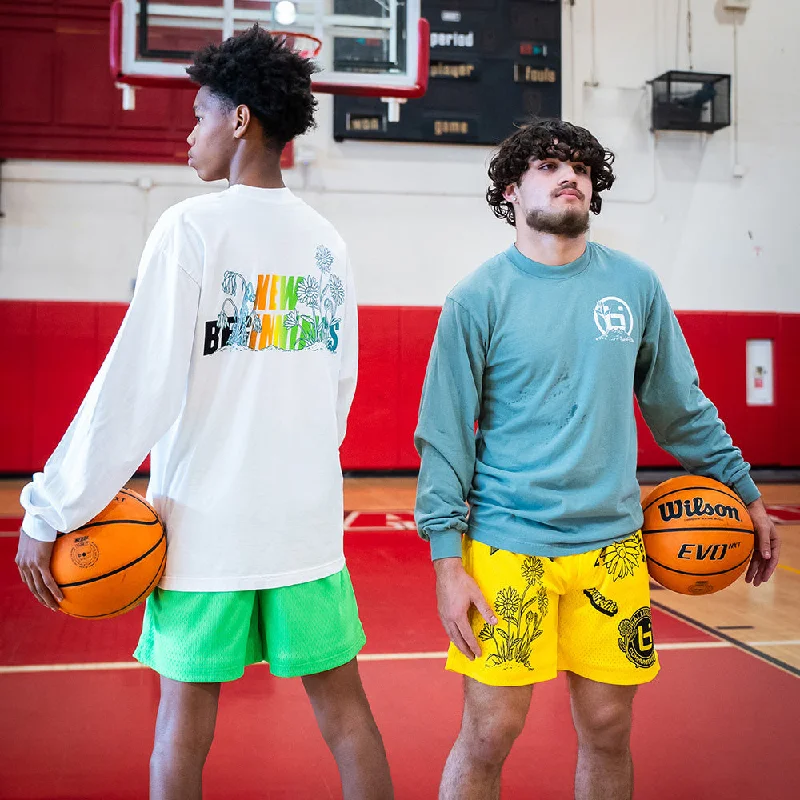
pixel 494 64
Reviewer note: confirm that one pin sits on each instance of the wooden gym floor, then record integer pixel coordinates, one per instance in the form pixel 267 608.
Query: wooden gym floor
pixel 720 721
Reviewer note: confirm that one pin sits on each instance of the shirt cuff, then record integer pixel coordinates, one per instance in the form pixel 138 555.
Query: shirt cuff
pixel 38 529
pixel 746 489
pixel 445 544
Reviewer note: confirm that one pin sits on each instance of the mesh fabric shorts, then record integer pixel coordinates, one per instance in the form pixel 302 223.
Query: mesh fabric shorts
pixel 198 637
pixel 588 613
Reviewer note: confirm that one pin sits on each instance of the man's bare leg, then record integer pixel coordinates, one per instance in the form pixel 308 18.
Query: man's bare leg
pixel 187 715
pixel 348 727
pixel 602 715
pixel 493 718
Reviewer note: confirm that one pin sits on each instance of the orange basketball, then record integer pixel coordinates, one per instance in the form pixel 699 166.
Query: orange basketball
pixel 697 535
pixel 113 562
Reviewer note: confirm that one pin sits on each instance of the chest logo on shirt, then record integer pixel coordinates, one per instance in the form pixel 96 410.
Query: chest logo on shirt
pixel 279 312
pixel 614 319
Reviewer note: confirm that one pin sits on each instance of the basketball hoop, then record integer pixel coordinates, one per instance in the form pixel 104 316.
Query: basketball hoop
pixel 305 45
pixel 151 42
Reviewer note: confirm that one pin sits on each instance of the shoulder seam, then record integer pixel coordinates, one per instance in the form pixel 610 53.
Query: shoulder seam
pixel 188 275
pixel 464 309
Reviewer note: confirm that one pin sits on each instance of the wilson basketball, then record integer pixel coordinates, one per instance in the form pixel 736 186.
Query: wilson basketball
pixel 697 535
pixel 113 562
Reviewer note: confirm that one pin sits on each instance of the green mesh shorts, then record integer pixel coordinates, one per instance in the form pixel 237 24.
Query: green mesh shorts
pixel 199 637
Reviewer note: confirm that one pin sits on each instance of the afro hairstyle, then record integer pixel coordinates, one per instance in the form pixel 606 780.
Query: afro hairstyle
pixel 541 139
pixel 262 72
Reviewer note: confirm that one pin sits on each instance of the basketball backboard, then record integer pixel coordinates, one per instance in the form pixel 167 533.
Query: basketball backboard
pixel 376 48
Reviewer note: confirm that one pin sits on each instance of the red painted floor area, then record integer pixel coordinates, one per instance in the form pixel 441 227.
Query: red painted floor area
pixel 717 723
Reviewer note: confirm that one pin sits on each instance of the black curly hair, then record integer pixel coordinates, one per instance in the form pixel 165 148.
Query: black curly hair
pixel 262 72
pixel 548 138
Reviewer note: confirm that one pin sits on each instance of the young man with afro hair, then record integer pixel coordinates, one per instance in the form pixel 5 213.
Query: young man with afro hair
pixel 544 347
pixel 236 364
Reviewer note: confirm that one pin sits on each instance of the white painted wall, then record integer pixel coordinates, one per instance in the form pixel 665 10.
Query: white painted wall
pixel 415 215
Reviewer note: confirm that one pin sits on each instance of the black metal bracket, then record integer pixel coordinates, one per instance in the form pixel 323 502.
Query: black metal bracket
pixel 144 44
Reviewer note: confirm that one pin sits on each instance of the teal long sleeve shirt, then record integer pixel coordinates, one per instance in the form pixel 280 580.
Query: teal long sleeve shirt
pixel 547 360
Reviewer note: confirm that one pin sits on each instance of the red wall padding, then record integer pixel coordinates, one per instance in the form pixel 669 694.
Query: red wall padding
pixel 52 350
pixel 373 430
pixel 57 98
pixel 16 386
pixel 788 389
pixel 718 344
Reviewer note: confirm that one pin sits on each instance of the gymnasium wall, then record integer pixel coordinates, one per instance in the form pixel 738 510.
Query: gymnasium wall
pixel 413 215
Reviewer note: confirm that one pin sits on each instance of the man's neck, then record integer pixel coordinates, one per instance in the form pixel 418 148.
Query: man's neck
pixel 261 169
pixel 548 248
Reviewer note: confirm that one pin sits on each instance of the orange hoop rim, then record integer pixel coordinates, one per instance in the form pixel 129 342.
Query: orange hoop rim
pixel 311 51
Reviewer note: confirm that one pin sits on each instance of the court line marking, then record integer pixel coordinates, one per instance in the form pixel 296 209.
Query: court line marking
pixel 789 569
pixel 429 656
pixel 87 667
pixel 775 643
pixel 351 517
pixel 399 656
pixel 691 646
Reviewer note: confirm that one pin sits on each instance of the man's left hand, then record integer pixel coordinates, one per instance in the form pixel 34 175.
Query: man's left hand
pixel 767 546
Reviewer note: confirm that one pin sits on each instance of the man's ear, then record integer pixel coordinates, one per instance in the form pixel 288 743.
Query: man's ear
pixel 510 194
pixel 241 122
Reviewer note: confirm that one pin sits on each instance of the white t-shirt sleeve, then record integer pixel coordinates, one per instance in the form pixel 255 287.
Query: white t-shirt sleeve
pixel 348 368
pixel 135 397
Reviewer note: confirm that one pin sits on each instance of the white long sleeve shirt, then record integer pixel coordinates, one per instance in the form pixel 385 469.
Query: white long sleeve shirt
pixel 235 366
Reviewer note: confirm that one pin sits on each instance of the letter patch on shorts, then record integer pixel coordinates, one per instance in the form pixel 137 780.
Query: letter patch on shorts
pixel 636 638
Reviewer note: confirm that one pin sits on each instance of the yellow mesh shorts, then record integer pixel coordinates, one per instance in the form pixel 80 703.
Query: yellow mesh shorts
pixel 587 613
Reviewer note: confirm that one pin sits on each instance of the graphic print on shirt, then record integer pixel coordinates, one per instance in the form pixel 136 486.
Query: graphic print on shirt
pixel 281 312
pixel 614 319
pixel 242 319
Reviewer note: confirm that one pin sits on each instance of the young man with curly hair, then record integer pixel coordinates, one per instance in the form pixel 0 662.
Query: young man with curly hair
pixel 236 363
pixel 533 516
